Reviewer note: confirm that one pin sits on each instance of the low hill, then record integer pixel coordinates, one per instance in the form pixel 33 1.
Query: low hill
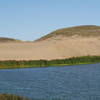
pixel 3 39
pixel 85 30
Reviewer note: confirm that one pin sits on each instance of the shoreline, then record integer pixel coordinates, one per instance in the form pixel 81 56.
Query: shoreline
pixel 14 64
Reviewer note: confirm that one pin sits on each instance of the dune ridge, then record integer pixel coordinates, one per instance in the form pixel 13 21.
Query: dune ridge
pixel 83 41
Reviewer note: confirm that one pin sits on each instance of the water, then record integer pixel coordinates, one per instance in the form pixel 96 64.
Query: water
pixel 53 83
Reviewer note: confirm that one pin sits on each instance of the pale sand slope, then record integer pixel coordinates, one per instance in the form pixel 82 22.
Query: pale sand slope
pixel 59 48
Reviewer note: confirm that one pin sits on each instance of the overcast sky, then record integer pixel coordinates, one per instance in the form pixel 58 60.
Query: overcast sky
pixel 31 19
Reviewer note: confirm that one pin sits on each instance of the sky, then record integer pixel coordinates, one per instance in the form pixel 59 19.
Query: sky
pixel 32 19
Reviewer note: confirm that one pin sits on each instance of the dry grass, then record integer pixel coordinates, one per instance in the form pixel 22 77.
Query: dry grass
pixel 87 30
pixel 2 39
pixel 11 97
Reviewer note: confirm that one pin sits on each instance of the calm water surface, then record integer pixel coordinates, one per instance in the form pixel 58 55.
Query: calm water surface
pixel 53 83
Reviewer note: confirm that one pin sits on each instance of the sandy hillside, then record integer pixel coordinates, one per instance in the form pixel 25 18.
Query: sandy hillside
pixel 55 47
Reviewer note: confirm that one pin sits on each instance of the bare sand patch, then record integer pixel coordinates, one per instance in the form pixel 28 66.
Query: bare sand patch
pixel 59 48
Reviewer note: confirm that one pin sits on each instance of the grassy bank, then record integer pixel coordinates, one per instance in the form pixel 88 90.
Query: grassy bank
pixel 11 97
pixel 46 63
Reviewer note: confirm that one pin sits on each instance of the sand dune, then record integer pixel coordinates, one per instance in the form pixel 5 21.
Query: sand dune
pixel 60 44
pixel 59 48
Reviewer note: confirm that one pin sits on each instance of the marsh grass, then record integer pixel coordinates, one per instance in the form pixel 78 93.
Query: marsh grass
pixel 11 97
pixel 47 63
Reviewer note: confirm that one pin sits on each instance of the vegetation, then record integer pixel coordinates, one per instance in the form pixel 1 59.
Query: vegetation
pixel 2 39
pixel 46 63
pixel 11 97
pixel 86 30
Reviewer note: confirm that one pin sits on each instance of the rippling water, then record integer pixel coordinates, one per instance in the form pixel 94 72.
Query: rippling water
pixel 53 83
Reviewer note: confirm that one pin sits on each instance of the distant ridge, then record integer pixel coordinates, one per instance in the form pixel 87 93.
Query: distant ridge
pixel 84 30
pixel 4 39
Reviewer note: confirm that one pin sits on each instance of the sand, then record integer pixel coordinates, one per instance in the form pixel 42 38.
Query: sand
pixel 54 48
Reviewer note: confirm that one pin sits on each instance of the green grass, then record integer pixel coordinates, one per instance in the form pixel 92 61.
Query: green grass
pixel 47 63
pixel 85 31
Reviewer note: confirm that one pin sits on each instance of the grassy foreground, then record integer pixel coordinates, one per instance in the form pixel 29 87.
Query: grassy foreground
pixel 46 63
pixel 11 97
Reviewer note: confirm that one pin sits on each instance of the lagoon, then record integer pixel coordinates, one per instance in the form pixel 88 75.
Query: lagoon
pixel 80 82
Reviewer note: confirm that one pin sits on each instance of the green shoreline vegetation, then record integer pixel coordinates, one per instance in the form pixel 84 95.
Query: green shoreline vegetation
pixel 46 63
